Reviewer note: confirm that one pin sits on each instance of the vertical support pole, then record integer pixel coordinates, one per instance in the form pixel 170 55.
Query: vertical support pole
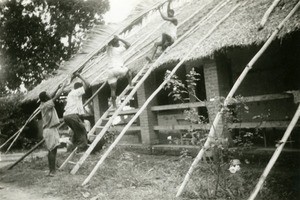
pixel 147 118
pixel 212 92
pixel 96 105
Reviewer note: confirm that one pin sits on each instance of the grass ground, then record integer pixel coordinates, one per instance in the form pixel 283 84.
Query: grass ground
pixel 130 175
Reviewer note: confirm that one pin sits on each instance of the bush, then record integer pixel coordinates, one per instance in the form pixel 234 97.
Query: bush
pixel 12 116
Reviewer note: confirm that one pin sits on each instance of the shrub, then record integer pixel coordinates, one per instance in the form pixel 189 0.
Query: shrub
pixel 12 116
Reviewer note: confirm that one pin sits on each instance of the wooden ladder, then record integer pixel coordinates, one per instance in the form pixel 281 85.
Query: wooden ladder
pixel 127 93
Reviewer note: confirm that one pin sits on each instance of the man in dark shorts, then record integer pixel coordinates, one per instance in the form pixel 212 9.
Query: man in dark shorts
pixel 73 110
pixel 169 34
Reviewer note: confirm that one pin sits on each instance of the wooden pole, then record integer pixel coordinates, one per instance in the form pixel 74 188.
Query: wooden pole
pixel 267 14
pixel 16 133
pixel 26 154
pixel 229 96
pixel 275 155
pixel 154 94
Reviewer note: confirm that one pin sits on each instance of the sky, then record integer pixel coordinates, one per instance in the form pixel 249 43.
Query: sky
pixel 119 10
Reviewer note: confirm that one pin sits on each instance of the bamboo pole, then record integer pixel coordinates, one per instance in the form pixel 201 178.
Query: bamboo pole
pixel 229 96
pixel 104 156
pixel 29 119
pixel 29 152
pixel 275 155
pixel 267 14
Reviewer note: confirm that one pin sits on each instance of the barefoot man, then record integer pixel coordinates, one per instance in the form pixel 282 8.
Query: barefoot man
pixel 169 34
pixel 117 69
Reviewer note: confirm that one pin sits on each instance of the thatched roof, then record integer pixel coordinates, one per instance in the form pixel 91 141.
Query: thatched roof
pixel 240 29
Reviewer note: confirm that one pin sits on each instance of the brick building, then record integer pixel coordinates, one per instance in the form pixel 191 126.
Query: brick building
pixel 219 59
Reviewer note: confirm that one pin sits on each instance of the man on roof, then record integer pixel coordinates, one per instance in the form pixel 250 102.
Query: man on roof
pixel 117 69
pixel 50 123
pixel 169 34
pixel 73 112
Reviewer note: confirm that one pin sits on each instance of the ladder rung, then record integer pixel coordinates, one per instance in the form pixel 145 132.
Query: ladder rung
pixel 71 162
pixel 99 126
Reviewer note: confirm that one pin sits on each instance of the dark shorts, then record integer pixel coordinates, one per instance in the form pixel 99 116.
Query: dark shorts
pixel 79 138
pixel 166 41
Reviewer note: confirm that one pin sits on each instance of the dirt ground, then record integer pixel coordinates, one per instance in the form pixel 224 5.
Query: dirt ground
pixel 12 192
pixel 130 175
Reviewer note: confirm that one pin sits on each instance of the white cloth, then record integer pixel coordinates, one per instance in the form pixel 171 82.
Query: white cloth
pixel 74 102
pixel 171 30
pixel 115 73
pixel 49 114
pixel 51 137
pixel 115 56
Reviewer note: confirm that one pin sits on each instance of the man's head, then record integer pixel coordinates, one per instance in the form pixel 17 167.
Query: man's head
pixel 171 13
pixel 114 42
pixel 77 85
pixel 44 97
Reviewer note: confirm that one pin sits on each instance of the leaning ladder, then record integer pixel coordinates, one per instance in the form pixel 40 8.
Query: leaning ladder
pixel 137 82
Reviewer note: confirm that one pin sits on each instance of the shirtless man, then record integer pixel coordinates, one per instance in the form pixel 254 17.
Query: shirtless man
pixel 169 34
pixel 117 70
pixel 50 124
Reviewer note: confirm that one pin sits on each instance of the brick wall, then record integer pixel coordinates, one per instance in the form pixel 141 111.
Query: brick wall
pixel 147 118
pixel 212 86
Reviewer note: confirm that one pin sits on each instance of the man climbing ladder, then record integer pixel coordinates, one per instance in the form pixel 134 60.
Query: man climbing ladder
pixel 117 68
pixel 169 34
pixel 73 110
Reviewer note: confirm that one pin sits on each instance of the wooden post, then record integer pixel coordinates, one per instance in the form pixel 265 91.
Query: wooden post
pixel 26 154
pixel 154 94
pixel 275 155
pixel 267 14
pixel 229 96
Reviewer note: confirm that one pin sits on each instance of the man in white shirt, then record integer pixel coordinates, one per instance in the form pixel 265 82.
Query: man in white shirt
pixel 73 110
pixel 117 69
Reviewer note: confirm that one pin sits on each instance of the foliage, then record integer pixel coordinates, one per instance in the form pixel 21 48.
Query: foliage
pixel 218 182
pixel 12 116
pixel 178 90
pixel 32 33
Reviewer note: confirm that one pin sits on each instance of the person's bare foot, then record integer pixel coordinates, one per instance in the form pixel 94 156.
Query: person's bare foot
pixel 51 174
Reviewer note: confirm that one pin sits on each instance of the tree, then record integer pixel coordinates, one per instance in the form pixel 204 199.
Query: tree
pixel 32 33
